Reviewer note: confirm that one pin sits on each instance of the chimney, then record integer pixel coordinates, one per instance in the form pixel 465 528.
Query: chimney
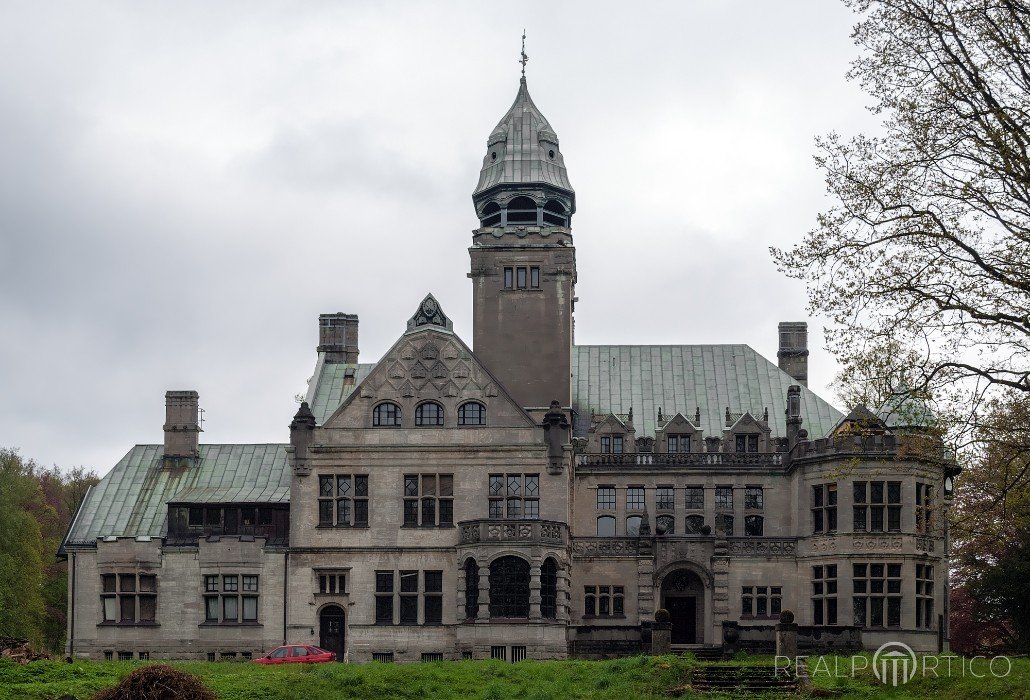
pixel 793 414
pixel 792 356
pixel 182 427
pixel 338 337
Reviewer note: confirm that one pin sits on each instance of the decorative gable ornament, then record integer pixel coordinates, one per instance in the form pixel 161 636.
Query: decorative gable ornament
pixel 429 313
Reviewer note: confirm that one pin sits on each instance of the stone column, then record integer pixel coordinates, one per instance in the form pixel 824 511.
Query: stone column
pixel 483 614
pixel 564 595
pixel 661 633
pixel 787 636
pixel 459 613
pixel 534 592
pixel 720 585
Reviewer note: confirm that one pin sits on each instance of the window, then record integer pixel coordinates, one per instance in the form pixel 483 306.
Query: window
pixel 747 443
pixel 924 508
pixel 143 655
pixel 331 582
pixel 694 523
pixel 724 524
pixel 760 601
pixel 696 498
pixel 606 498
pixel 472 413
pixel 824 508
pixel 635 498
pixel 432 597
pixel 509 277
pixel 724 498
pixel 384 597
pixel 499 653
pixel 753 498
pixel 679 443
pixel 549 589
pixel 924 596
pixel 343 500
pixel 606 526
pixel 611 444
pixel 824 594
pixel 754 525
pixel 128 599
pixel 125 656
pixel 604 601
pixel 534 277
pixel 665 524
pixel 665 498
pixel 633 526
pixel 386 415
pixel 520 276
pixel 428 500
pixel 869 506
pixel 509 587
pixel 383 657
pixel 429 413
pixel 518 653
pixel 515 496
pixel 471 589
pixel 231 598
pixel 877 599
pixel 409 598
pixel 431 656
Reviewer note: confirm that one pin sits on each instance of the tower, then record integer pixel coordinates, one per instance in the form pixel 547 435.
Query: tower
pixel 523 260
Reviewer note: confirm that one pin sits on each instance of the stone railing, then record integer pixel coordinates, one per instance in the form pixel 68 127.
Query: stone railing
pixel 520 531
pixel 605 546
pixel 762 546
pixel 690 459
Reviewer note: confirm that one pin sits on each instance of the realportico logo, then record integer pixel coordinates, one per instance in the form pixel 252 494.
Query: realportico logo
pixel 895 664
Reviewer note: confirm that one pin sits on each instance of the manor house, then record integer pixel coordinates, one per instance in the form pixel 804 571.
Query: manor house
pixel 522 497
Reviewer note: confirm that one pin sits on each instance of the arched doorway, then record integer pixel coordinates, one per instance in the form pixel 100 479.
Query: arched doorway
pixel 683 595
pixel 331 630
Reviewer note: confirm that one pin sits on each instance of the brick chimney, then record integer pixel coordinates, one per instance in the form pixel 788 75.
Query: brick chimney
pixel 792 356
pixel 182 427
pixel 338 337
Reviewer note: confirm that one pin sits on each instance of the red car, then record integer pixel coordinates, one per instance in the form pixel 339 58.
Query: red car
pixel 297 654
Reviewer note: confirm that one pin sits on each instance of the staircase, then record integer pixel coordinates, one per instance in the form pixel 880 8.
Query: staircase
pixel 706 653
pixel 750 678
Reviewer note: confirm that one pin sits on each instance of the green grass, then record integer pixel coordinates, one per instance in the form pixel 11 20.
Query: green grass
pixel 637 677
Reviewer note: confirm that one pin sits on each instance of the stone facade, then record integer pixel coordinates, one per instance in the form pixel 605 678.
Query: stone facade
pixel 446 503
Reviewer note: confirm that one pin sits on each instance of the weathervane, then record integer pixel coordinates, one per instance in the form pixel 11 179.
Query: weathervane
pixel 525 59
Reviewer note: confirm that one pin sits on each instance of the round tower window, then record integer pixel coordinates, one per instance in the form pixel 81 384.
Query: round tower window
pixel 493 155
pixel 550 154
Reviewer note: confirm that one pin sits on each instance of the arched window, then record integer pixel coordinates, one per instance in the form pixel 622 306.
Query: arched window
pixel 694 524
pixel 666 524
pixel 606 526
pixel 509 587
pixel 472 413
pixel 554 213
pixel 549 589
pixel 491 215
pixel 633 526
pixel 429 413
pixel 522 210
pixel 386 415
pixel 471 589
pixel 754 525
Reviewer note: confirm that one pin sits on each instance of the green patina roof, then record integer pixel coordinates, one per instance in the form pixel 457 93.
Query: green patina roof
pixel 328 389
pixel 132 499
pixel 681 378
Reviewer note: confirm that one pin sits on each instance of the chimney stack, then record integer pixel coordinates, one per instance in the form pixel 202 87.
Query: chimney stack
pixel 792 356
pixel 182 427
pixel 338 337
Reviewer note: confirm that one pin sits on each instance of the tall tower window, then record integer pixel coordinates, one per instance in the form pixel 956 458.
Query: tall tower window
pixel 491 215
pixel 522 210
pixel 554 213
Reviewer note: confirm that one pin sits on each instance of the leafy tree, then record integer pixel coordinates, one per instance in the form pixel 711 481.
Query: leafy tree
pixel 923 260
pixel 22 550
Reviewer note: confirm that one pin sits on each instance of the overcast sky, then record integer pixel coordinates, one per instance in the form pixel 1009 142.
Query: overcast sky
pixel 184 187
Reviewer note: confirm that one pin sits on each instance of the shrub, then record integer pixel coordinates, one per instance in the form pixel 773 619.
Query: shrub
pixel 157 682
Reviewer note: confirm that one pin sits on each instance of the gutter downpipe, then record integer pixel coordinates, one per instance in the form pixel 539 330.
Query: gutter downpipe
pixel 286 588
pixel 71 614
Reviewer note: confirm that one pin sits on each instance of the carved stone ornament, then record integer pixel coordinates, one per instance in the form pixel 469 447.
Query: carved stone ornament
pixel 429 313
pixel 925 544
pixel 763 548
pixel 606 547
pixel 823 544
pixel 879 544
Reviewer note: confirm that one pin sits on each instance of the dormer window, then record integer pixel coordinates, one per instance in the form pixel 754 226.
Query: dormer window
pixel 747 443
pixel 612 444
pixel 679 443
pixel 429 413
pixel 386 415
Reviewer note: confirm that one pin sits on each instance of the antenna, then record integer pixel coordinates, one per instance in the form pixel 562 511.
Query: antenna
pixel 525 59
pixel 201 411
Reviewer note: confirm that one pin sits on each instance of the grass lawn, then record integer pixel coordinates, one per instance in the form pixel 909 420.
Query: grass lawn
pixel 638 677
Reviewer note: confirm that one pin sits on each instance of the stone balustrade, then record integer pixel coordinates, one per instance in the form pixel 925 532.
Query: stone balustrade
pixel 699 459
pixel 494 531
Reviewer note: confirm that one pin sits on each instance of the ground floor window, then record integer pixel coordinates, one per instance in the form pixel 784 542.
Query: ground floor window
pixel 604 601
pixel 924 596
pixel 401 591
pixel 824 594
pixel 128 598
pixel 509 587
pixel 877 599
pixel 760 601
pixel 231 598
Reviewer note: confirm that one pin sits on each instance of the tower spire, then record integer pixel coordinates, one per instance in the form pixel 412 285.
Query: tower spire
pixel 525 59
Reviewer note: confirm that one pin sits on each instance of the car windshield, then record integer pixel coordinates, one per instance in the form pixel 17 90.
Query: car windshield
pixel 278 653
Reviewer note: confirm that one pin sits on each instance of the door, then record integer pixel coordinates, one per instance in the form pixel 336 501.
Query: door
pixel 331 630
pixel 683 611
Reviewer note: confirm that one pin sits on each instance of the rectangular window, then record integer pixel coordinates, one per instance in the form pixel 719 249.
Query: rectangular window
pixel 606 445
pixel 924 596
pixel 384 597
pixel 753 498
pixel 696 498
pixel 331 582
pixel 635 498
pixel 433 597
pixel 383 657
pixel 428 496
pixel 604 601
pixel 223 602
pixel 521 277
pixel 824 594
pixel 606 498
pixel 665 498
pixel 128 598
pixel 876 504
pixel 342 500
pixel 746 443
pixel 678 444
pixel 509 277
pixel 515 496
pixel 877 594
pixel 534 277
pixel 754 525
pixel 431 656
pixel 724 498
pixel 824 508
pixel 924 508
pixel 724 524
pixel 499 653
pixel 518 654
pixel 760 601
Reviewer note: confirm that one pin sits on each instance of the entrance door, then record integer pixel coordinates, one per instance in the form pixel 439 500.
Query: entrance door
pixel 683 611
pixel 331 630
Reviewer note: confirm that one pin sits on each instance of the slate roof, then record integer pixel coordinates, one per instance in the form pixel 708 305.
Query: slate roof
pixel 328 390
pixel 680 378
pixel 131 500
pixel 523 158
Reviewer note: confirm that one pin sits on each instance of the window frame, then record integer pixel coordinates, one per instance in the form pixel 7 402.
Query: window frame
pixel 505 501
pixel 127 591
pixel 415 501
pixel 872 594
pixel 824 595
pixel 434 420
pixel 354 500
pixel 237 591
pixel 466 420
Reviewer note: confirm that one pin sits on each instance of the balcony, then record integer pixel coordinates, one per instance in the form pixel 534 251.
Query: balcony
pixel 649 460
pixel 496 531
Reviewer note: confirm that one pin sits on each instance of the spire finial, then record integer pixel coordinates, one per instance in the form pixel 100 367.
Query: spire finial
pixel 525 59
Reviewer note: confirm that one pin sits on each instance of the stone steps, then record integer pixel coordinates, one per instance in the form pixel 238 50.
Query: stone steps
pixel 756 679
pixel 707 653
